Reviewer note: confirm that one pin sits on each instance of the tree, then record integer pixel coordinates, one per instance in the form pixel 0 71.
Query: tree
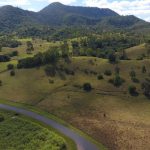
pixel 87 87
pixel 146 88
pixel 112 58
pixel 132 74
pixel 143 69
pixel 12 73
pixel 123 55
pixel 117 70
pixel 0 82
pixel 30 47
pixel 1 47
pixel 10 66
pixel 132 90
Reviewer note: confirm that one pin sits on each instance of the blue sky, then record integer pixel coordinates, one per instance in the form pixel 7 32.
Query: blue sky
pixel 139 8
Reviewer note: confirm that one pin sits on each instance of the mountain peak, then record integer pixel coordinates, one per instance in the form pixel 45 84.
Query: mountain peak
pixel 56 4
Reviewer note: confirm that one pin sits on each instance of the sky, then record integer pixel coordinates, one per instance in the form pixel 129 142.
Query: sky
pixel 139 8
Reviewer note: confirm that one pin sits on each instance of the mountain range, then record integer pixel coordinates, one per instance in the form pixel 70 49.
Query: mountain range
pixel 58 15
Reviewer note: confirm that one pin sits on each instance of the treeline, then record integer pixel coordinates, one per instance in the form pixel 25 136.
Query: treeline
pixel 49 57
pixel 6 41
pixel 101 46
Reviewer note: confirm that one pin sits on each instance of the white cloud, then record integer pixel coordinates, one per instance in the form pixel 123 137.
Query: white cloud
pixel 67 2
pixel 140 8
pixel 63 1
pixel 15 2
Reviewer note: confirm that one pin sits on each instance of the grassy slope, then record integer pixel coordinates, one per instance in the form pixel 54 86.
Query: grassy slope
pixel 18 132
pixel 126 125
pixel 136 51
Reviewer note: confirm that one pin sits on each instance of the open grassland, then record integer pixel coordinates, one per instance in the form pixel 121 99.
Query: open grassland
pixel 18 132
pixel 107 113
pixel 136 52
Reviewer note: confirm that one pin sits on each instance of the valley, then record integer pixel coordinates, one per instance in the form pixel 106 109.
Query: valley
pixel 88 67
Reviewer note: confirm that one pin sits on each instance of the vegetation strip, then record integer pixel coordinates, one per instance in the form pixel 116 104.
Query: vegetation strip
pixel 82 143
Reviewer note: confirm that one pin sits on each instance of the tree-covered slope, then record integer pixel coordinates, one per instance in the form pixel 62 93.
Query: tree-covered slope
pixel 59 15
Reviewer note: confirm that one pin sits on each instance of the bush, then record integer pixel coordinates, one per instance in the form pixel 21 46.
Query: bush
pixel 146 88
pixel 50 70
pixel 117 81
pixel 132 90
pixel 108 72
pixel 87 87
pixel 1 118
pixel 135 80
pixel 100 77
pixel 0 82
pixel 12 73
pixel 143 69
pixel 10 66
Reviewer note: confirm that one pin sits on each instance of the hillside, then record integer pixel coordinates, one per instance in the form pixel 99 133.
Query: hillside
pixel 59 15
pixel 105 107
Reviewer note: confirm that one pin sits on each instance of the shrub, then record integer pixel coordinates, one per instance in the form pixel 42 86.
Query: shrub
pixel 1 118
pixel 10 66
pixel 108 72
pixel 117 81
pixel 87 87
pixel 132 90
pixel 146 88
pixel 50 70
pixel 12 73
pixel 0 82
pixel 135 80
pixel 143 69
pixel 132 74
pixel 100 77
pixel 51 81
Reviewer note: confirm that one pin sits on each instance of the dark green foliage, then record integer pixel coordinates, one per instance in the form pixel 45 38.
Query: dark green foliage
pixel 87 87
pixel 123 55
pixel 143 69
pixel 4 58
pixel 12 73
pixel 117 80
pixel 12 54
pixel 10 66
pixel 146 88
pixel 112 58
pixel 108 72
pixel 1 82
pixel 132 90
pixel 19 133
pixel 50 70
pixel 1 118
pixel 100 77
pixel 132 74
pixel 117 70
pixel 135 80
pixel 9 42
pixel 48 57
pixel 30 47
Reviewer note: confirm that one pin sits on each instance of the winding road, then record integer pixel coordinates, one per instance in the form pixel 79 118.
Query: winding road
pixel 81 142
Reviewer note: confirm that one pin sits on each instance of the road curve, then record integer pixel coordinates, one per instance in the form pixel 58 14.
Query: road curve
pixel 81 142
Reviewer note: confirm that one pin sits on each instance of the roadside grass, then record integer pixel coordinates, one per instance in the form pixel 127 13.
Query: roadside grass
pixel 19 132
pixel 70 144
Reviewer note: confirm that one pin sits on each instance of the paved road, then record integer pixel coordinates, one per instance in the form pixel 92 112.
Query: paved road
pixel 81 142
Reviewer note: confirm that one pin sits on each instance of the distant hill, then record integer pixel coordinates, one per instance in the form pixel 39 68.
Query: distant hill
pixel 59 15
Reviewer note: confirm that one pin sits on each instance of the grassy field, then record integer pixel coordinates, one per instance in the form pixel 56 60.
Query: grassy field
pixel 136 51
pixel 108 114
pixel 17 132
